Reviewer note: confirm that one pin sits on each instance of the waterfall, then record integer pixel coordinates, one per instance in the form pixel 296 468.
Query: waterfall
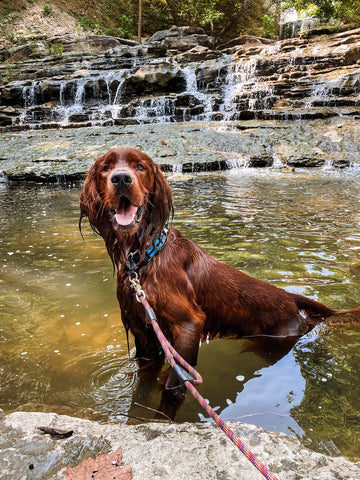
pixel 328 91
pixel 155 110
pixel 245 91
pixel 96 97
pixel 73 105
pixel 91 96
pixel 239 162
pixel 29 94
pixel 205 99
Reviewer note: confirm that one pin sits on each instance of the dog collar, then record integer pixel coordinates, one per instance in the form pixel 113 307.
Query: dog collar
pixel 133 263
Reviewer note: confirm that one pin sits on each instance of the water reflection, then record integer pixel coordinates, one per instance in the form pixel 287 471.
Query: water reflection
pixel 63 345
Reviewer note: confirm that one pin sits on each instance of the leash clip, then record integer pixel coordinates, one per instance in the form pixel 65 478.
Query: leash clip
pixel 135 284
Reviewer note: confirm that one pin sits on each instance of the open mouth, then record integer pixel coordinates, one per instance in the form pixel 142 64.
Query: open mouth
pixel 126 214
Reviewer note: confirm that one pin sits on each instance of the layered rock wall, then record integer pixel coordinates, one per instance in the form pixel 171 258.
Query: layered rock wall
pixel 178 76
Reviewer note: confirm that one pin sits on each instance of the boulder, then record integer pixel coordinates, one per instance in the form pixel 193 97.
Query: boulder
pixel 90 44
pixel 351 56
pixel 198 54
pixel 247 40
pixel 187 42
pixel 163 77
pixel 29 50
pixel 175 31
pixel 11 94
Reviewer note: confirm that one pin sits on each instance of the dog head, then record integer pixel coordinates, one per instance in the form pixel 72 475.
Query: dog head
pixel 125 193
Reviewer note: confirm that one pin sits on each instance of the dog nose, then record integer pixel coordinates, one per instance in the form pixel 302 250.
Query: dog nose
pixel 121 179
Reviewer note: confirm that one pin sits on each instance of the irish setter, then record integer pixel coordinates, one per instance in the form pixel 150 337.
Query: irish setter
pixel 128 202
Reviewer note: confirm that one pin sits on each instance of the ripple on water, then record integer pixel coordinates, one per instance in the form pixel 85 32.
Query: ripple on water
pixel 65 345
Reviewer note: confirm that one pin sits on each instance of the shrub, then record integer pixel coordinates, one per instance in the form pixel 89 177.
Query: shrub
pixel 46 10
pixel 57 50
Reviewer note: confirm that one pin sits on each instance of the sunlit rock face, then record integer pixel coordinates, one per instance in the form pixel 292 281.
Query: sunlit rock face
pixel 103 80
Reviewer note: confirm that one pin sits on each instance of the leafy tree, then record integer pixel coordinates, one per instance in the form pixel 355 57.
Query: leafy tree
pixel 348 10
pixel 223 18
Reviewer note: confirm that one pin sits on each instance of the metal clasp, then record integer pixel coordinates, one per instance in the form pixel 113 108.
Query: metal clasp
pixel 135 284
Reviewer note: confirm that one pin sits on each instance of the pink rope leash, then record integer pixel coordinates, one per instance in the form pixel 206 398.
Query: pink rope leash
pixel 195 378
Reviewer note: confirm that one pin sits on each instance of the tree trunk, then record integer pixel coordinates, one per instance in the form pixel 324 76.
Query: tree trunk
pixel 140 21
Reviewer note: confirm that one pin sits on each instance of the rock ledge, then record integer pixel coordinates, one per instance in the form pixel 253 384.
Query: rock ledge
pixel 158 451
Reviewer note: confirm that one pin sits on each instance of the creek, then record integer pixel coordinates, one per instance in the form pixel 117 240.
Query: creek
pixel 63 347
pixel 209 118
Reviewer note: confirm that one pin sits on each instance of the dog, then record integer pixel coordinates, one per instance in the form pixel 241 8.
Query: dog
pixel 128 202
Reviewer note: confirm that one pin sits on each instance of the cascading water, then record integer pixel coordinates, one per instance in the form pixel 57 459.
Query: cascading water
pixel 327 92
pixel 73 105
pixel 205 99
pixel 29 94
pixel 244 90
pixel 97 97
pixel 242 86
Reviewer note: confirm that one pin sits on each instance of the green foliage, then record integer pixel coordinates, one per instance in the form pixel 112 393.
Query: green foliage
pixel 32 48
pixel 346 10
pixel 126 26
pixel 225 19
pixel 7 10
pixel 268 26
pixel 57 50
pixel 9 70
pixel 46 10
pixel 87 24
pixel 21 40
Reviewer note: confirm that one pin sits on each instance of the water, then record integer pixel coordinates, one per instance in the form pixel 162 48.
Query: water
pixel 63 347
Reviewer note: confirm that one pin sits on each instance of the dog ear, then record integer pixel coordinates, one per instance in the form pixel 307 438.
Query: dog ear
pixel 90 199
pixel 160 200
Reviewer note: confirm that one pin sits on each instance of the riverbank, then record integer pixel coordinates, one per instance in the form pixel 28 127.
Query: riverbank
pixel 158 451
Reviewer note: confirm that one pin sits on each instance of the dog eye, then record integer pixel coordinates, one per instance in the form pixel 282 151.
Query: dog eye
pixel 140 167
pixel 105 168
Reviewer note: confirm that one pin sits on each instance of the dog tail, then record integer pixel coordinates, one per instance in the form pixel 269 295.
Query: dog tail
pixel 318 312
pixel 313 308
pixel 348 310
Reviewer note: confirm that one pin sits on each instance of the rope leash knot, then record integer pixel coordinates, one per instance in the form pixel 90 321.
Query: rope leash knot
pixel 191 378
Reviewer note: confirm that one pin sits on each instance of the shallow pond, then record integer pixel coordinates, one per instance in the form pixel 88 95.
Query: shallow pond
pixel 63 346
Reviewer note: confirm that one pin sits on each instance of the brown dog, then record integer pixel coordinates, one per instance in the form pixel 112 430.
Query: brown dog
pixel 128 202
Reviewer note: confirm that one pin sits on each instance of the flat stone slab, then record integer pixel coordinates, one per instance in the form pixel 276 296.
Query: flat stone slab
pixel 157 451
pixel 65 155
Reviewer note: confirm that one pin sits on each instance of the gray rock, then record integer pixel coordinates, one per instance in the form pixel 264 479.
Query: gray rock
pixel 247 40
pixel 161 77
pixel 198 54
pixel 158 451
pixel 175 31
pixel 188 42
pixel 90 44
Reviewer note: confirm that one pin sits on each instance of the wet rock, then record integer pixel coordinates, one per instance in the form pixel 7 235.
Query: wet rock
pixel 289 79
pixel 187 42
pixel 7 115
pixel 161 77
pixel 90 44
pixel 175 31
pixel 247 39
pixel 11 94
pixel 198 54
pixel 158 451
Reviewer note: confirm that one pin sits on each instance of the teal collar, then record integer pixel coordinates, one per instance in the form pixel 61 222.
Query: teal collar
pixel 133 263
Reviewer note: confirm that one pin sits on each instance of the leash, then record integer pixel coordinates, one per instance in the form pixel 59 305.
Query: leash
pixel 190 377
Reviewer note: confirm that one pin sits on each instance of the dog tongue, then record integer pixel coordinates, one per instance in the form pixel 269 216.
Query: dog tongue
pixel 125 215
